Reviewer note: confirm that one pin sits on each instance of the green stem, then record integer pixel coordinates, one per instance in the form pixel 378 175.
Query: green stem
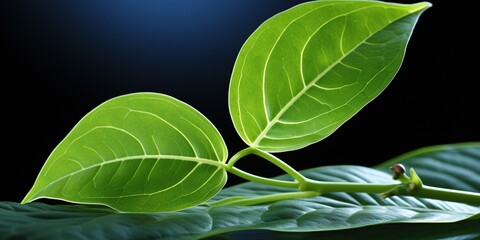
pixel 447 195
pixel 308 187
pixel 262 180
pixel 424 192
pixel 238 156
pixel 326 187
pixel 254 178
pixel 247 201
pixel 281 164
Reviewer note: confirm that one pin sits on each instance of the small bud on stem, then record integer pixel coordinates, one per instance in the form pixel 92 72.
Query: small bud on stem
pixel 408 184
pixel 397 170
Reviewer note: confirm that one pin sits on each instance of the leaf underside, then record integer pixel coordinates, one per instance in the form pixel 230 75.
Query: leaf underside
pixel 306 71
pixel 316 216
pixel 141 152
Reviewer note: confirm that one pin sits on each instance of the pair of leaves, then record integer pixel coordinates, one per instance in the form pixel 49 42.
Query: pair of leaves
pixel 301 75
pixel 314 217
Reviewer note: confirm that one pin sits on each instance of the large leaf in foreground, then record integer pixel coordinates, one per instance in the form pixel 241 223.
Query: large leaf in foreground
pixel 140 152
pixel 41 221
pixel 306 71
pixel 336 211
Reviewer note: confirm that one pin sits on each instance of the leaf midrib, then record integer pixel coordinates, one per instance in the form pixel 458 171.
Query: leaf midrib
pixel 129 158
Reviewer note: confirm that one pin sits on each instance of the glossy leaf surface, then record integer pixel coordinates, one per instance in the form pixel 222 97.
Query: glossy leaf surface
pixel 306 71
pixel 140 152
pixel 41 221
pixel 311 216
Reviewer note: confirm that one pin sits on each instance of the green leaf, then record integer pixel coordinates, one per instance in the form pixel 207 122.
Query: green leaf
pixel 306 71
pixel 142 152
pixel 42 221
pixel 316 216
pixel 465 230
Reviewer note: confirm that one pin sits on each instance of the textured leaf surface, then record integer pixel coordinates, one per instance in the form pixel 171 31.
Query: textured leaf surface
pixel 312 216
pixel 41 221
pixel 137 152
pixel 306 71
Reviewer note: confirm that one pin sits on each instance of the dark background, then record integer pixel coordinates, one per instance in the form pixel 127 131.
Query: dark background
pixel 60 59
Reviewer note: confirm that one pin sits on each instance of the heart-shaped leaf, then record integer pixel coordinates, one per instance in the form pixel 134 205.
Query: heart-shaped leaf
pixel 143 152
pixel 334 211
pixel 306 71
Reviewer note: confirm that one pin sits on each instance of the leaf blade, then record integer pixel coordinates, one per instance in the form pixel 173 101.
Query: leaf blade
pixel 137 152
pixel 287 92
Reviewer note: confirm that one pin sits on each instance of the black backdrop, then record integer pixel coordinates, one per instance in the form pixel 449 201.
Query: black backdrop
pixel 60 59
